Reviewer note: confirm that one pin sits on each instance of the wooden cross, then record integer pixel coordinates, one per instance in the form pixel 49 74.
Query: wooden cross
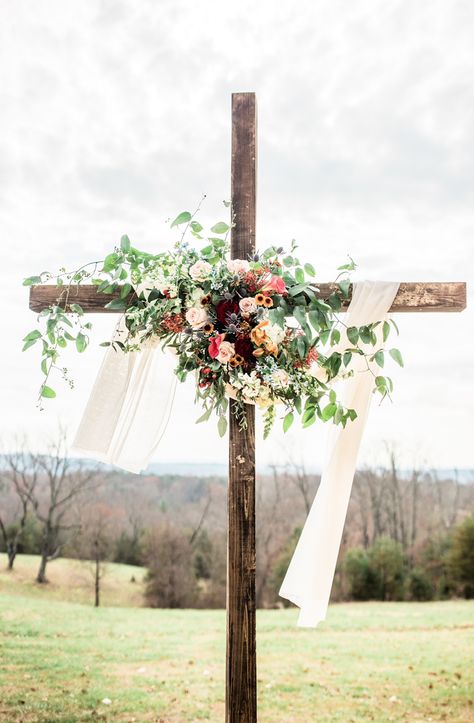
pixel 241 674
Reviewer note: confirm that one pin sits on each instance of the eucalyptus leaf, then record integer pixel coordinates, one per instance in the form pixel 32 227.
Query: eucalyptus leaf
pixel 396 356
pixel 288 421
pixel 183 217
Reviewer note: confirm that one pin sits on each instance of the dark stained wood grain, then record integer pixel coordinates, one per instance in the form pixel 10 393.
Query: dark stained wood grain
pixel 241 665
pixel 414 296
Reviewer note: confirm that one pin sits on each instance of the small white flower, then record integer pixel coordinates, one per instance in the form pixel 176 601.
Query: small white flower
pixel 106 701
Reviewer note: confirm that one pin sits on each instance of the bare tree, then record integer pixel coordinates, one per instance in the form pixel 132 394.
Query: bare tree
pixel 298 476
pixel 63 481
pixel 96 543
pixel 19 477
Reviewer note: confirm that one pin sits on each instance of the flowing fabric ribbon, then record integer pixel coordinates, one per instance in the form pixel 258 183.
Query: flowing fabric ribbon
pixel 309 577
pixel 129 406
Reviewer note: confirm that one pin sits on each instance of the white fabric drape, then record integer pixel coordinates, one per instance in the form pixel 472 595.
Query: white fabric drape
pixel 309 578
pixel 129 406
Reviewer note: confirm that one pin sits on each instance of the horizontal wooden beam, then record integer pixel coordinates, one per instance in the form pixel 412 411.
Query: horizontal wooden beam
pixel 415 296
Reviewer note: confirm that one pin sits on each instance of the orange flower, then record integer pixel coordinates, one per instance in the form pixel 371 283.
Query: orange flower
pixel 205 300
pixel 236 361
pixel 267 302
pixel 258 334
pixel 208 328
pixel 271 347
pixel 258 352
pixel 260 299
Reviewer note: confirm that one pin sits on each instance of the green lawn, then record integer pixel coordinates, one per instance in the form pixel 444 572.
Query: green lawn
pixel 62 661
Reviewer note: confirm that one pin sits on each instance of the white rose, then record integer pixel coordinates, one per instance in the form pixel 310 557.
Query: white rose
pixel 200 270
pixel 238 266
pixel 196 317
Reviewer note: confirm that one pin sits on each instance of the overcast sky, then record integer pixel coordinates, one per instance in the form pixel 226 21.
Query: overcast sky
pixel 116 116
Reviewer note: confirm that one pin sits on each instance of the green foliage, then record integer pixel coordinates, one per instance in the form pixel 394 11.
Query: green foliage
pixel 361 577
pixel 388 565
pixel 461 557
pixel 156 292
pixel 419 585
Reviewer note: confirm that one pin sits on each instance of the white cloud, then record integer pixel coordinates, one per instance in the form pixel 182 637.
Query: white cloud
pixel 116 115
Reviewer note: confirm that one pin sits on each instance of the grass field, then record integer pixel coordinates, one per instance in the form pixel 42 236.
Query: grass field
pixel 73 580
pixel 63 661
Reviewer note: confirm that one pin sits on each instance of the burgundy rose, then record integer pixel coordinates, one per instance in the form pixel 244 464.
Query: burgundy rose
pixel 244 347
pixel 224 308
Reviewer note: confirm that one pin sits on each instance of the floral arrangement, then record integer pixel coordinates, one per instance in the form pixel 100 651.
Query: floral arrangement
pixel 251 329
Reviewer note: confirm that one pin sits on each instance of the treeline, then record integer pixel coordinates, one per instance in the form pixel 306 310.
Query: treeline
pixel 408 536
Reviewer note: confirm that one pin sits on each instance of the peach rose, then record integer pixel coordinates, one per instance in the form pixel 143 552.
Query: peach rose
pixel 226 352
pixel 238 266
pixel 200 270
pixel 273 283
pixel 248 305
pixel 196 317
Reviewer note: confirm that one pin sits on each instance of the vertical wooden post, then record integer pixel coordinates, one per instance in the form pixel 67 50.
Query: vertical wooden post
pixel 241 671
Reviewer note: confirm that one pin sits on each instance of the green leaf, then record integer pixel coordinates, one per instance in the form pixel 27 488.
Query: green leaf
pixel 222 425
pixel 386 330
pixel 309 268
pixel 297 403
pixel 334 302
pixel 33 335
pixel 116 304
pixel 395 326
pixel 396 356
pixel 344 287
pixel 328 411
pixel 353 335
pixel 204 417
pixel 379 358
pixel 309 417
pixel 47 392
pixel 183 217
pixel 76 309
pixel 220 227
pixel 81 342
pixel 29 343
pixel 335 337
pixel 346 359
pixel 299 276
pixel 125 290
pixel 288 421
pixel 125 244
pixel 196 227
pixel 365 334
pixel 110 262
pixel 32 280
pixel 324 335
pixel 301 346
pixel 314 319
